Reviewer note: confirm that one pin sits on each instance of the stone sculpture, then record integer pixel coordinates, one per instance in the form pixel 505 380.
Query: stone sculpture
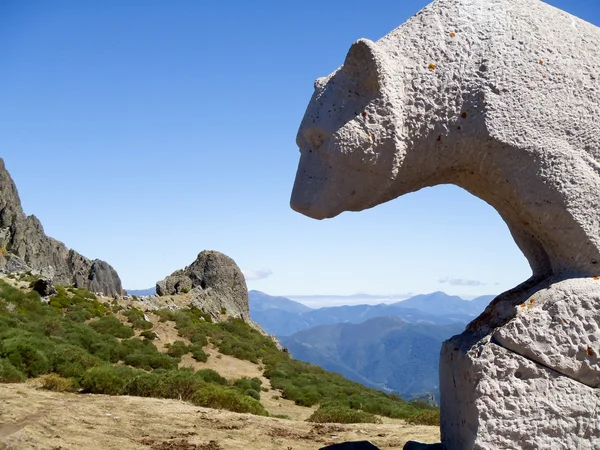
pixel 502 98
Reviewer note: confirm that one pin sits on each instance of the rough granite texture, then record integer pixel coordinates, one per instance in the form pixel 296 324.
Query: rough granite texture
pixel 214 281
pixel 27 247
pixel 215 285
pixel 502 98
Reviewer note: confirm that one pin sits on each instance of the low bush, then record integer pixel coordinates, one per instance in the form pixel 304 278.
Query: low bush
pixel 248 383
pixel 27 353
pixel 107 379
pixel 150 335
pixel 339 413
pixel 71 361
pixel 136 318
pixel 212 376
pixel 219 397
pixel 180 384
pixel 9 373
pixel 198 353
pixel 427 417
pixel 113 326
pixel 54 382
pixel 177 349
pixel 144 385
pixel 144 355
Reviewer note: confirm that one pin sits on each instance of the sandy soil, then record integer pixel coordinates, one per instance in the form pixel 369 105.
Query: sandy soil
pixel 38 419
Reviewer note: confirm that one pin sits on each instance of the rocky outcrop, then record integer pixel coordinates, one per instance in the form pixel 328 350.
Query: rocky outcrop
pixel 25 247
pixel 214 283
pixel 44 287
pixel 500 98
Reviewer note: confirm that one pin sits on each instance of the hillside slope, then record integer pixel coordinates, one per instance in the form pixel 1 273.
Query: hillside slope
pixel 24 246
pixel 386 353
pixel 76 342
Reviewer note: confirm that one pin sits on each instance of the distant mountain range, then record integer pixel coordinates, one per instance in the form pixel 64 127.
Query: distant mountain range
pixel 392 347
pixel 386 353
pixel 141 292
pixel 284 317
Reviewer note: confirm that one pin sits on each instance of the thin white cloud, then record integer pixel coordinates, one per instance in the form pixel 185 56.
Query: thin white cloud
pixel 460 282
pixel 253 275
pixel 319 301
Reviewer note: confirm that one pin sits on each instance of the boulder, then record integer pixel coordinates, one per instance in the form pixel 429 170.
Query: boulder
pixel 14 264
pixel 214 282
pixel 215 285
pixel 27 248
pixel 44 287
pixel 500 98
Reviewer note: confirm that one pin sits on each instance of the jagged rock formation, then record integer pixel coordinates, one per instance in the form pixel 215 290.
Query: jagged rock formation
pixel 214 283
pixel 24 246
pixel 499 97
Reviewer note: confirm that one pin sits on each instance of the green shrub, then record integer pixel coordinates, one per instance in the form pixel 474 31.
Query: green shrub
pixel 180 384
pixel 248 383
pixel 103 346
pixel 136 318
pixel 150 335
pixel 78 300
pixel 339 413
pixel 143 354
pixel 212 376
pixel 252 393
pixel 177 349
pixel 219 397
pixel 427 417
pixel 9 373
pixel 78 315
pixel 27 354
pixel 145 385
pixel 113 326
pixel 71 361
pixel 84 293
pixel 198 337
pixel 198 353
pixel 107 379
pixel 16 296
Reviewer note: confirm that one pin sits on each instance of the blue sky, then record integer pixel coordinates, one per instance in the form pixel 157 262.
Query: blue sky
pixel 144 132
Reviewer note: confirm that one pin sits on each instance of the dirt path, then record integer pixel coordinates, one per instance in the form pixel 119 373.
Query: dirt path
pixel 37 419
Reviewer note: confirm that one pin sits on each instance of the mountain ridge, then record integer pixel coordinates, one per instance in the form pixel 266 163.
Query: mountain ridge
pixel 25 247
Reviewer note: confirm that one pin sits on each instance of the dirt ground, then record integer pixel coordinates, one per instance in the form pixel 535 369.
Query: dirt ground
pixel 36 419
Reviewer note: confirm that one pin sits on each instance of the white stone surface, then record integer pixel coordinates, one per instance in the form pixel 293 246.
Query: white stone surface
pixel 502 98
pixel 501 400
pixel 559 327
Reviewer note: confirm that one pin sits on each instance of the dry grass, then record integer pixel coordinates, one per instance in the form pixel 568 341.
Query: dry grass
pixel 37 419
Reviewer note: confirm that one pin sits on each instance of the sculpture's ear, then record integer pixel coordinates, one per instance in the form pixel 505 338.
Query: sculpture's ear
pixel 364 64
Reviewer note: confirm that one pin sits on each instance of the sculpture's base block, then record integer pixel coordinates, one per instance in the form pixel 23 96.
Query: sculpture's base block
pixel 494 397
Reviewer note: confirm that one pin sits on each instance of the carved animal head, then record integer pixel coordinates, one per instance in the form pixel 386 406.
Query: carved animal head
pixel 434 102
pixel 347 138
